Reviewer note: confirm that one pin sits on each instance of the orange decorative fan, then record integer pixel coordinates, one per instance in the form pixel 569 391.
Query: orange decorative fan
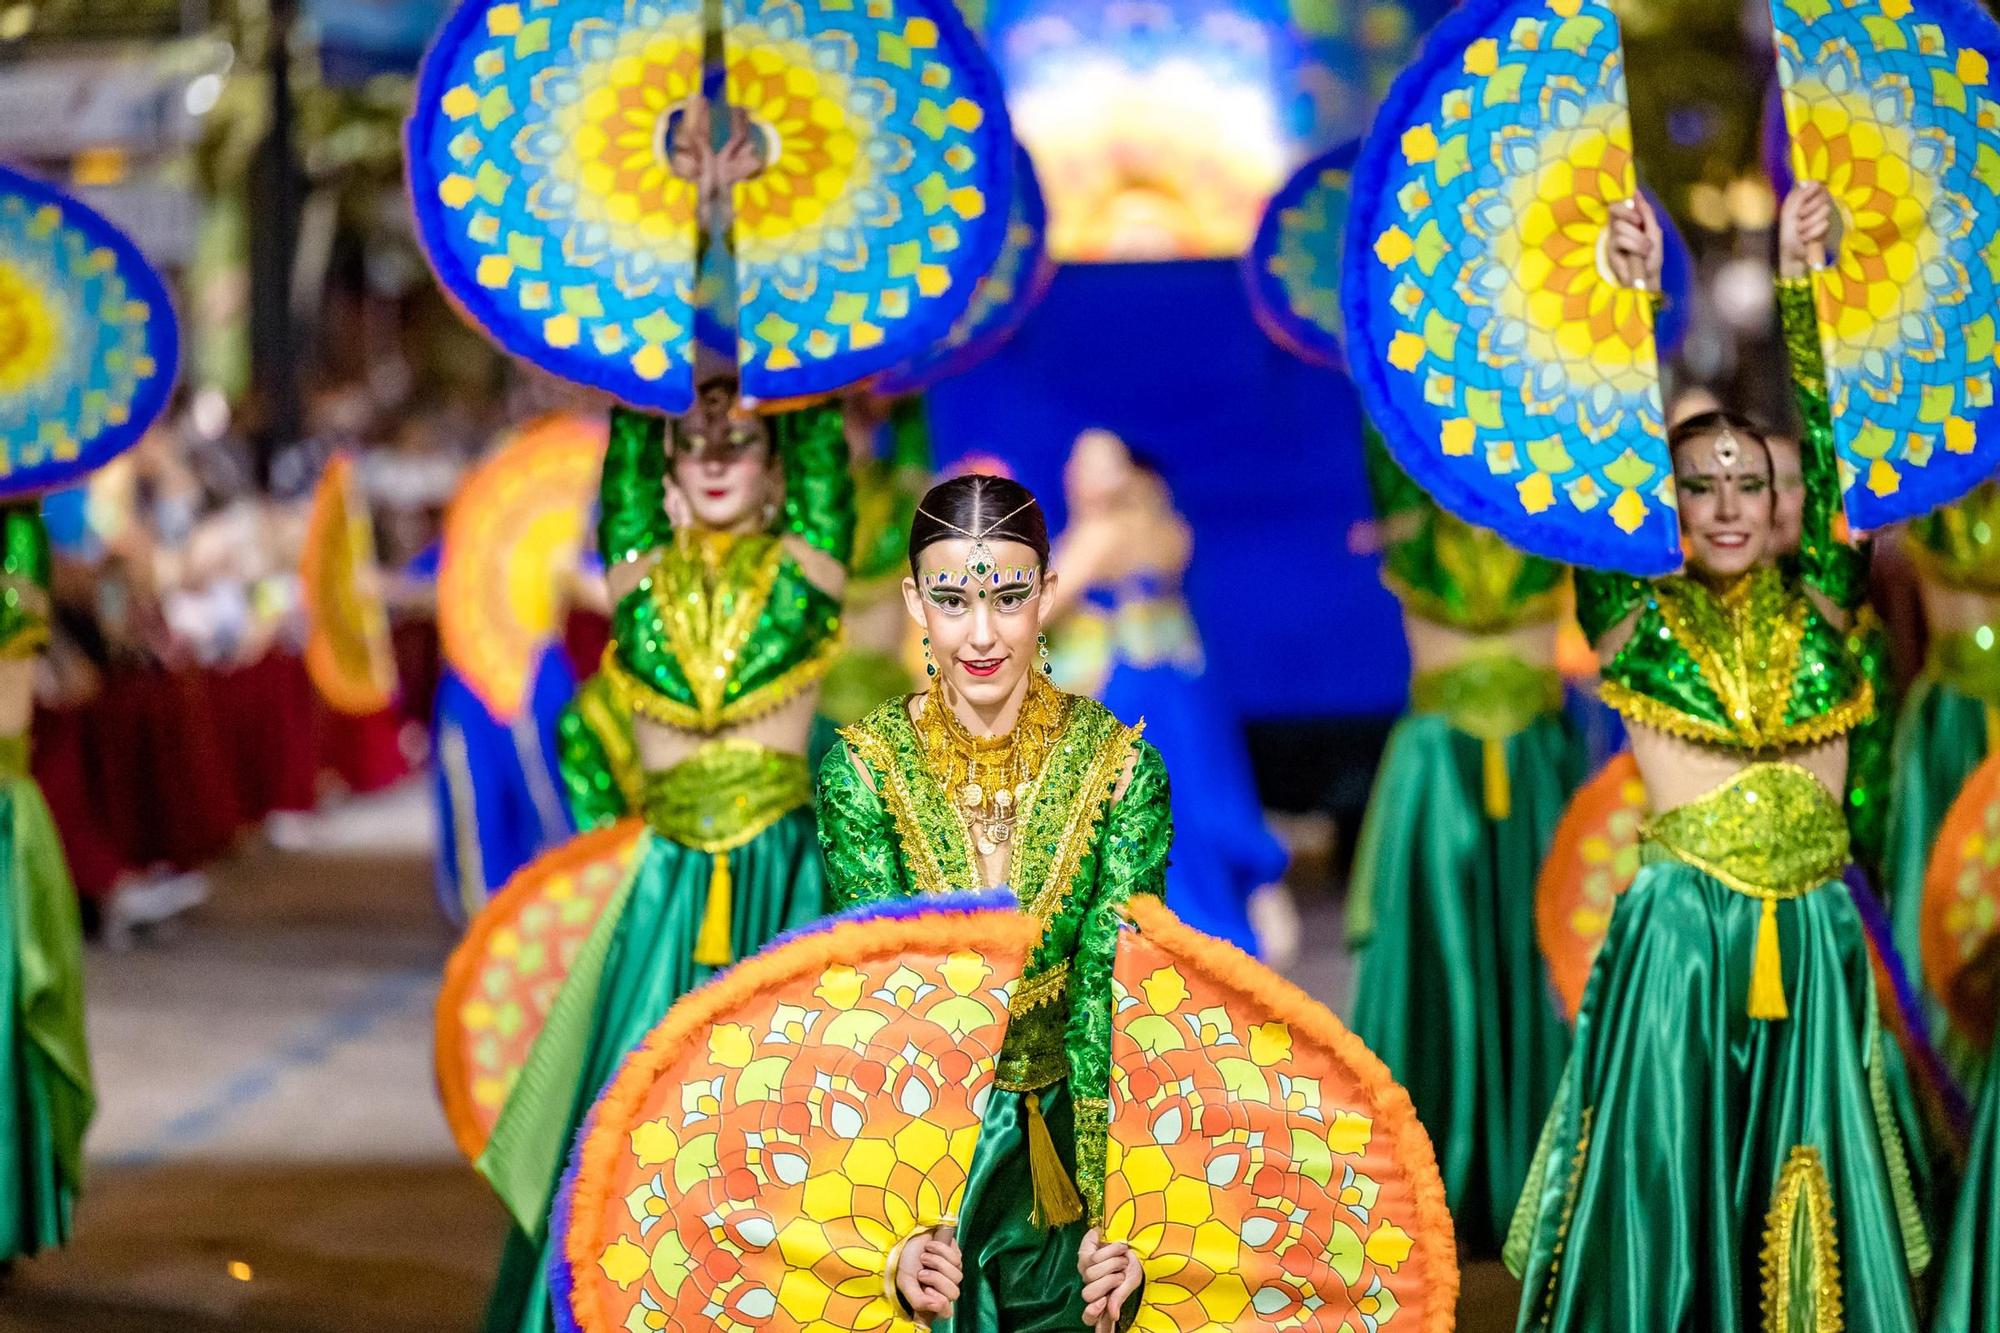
pixel 512 537
pixel 347 632
pixel 1960 929
pixel 765 1151
pixel 1594 859
pixel 504 974
pixel 1262 1163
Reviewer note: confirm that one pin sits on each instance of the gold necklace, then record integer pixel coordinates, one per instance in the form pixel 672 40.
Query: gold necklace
pixel 991 779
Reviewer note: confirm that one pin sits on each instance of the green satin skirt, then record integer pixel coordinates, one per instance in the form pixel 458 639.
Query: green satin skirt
pixel 1692 1143
pixel 1452 992
pixel 48 1102
pixel 1940 740
pixel 1969 1289
pixel 1019 1278
pixel 635 965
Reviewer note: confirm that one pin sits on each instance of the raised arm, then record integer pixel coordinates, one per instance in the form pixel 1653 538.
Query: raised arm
pixel 632 518
pixel 819 492
pixel 1137 835
pixel 1834 569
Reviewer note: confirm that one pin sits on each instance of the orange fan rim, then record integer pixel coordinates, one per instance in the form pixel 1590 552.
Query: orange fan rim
pixel 1552 903
pixel 461 970
pixel 342 691
pixel 1227 966
pixel 1942 968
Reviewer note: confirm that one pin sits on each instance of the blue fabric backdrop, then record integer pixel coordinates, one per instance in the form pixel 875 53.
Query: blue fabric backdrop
pixel 1262 451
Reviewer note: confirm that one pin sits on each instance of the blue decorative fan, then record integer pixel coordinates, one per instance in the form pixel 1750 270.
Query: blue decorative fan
pixel 88 341
pixel 546 201
pixel 1890 103
pixel 1512 377
pixel 1005 298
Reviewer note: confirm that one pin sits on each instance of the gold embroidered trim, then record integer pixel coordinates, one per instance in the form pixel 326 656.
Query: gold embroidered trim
pixel 1092 799
pixel 1033 992
pixel 1647 711
pixel 642 700
pixel 1802 1198
pixel 1570 1191
pixel 895 793
pixel 25 642
pixel 1909 1217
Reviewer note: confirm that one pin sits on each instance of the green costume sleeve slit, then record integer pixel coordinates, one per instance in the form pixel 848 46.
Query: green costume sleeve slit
pixel 1835 569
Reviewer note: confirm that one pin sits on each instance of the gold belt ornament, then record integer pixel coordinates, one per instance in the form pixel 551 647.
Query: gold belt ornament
pixel 1490 697
pixel 716 800
pixel 1772 832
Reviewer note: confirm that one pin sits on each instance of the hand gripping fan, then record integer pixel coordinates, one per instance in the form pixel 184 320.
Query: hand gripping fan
pixel 539 167
pixel 1292 268
pixel 764 1152
pixel 88 340
pixel 348 654
pixel 1262 1163
pixel 1593 860
pixel 514 531
pixel 505 973
pixel 1960 930
pixel 1511 376
pixel 1890 104
pixel 1001 303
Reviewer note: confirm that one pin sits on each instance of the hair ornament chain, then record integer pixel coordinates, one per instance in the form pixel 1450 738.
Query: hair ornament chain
pixel 980 561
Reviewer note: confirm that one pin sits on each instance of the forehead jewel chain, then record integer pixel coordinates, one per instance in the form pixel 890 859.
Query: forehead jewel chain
pixel 980 562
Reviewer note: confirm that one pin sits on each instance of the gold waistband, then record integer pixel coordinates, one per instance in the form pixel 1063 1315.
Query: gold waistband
pixel 1490 696
pixel 1773 831
pixel 1968 661
pixel 725 794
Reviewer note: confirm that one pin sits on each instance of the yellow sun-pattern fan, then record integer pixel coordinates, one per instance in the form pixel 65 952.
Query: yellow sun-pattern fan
pixel 348 654
pixel 761 1157
pixel 1263 1164
pixel 513 536
pixel 503 976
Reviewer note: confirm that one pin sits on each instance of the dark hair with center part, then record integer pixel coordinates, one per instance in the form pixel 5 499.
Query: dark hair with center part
pixel 996 509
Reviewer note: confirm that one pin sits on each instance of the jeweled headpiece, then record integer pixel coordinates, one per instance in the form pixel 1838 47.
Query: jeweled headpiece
pixel 1727 448
pixel 980 561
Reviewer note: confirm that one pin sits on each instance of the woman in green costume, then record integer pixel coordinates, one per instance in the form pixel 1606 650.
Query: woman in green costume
pixel 1451 990
pixel 50 1098
pixel 994 777
pixel 598 756
pixel 1724 1154
pixel 726 547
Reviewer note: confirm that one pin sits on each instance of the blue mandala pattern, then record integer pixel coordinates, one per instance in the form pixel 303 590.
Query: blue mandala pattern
pixel 1511 376
pixel 88 340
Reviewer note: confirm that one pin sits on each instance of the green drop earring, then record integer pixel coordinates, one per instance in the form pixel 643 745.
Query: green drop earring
pixel 1048 667
pixel 930 667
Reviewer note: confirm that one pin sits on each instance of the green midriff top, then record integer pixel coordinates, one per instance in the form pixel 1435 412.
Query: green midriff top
pixel 723 628
pixel 24 580
pixel 1751 664
pixel 1446 570
pixel 1078 855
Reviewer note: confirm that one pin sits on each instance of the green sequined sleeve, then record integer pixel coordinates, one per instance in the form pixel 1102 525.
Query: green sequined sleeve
pixel 819 485
pixel 24 579
pixel 1136 837
pixel 1604 598
pixel 1839 571
pixel 597 757
pixel 857 835
pixel 632 498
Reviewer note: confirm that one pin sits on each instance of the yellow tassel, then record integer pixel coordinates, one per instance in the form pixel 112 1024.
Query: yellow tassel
pixel 1767 973
pixel 711 946
pixel 1057 1203
pixel 1499 788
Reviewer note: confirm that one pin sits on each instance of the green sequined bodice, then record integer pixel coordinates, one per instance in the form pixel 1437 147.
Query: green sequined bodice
pixel 1078 854
pixel 723 627
pixel 24 580
pixel 1752 666
pixel 1448 571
